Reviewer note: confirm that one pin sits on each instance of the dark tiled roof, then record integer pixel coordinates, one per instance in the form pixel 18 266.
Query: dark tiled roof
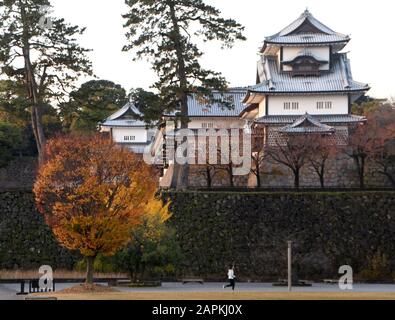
pixel 326 35
pixel 307 124
pixel 117 119
pixel 324 119
pixel 198 108
pixel 338 79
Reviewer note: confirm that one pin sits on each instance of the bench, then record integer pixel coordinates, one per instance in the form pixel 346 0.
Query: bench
pixel 185 281
pixel 123 283
pixel 299 283
pixel 34 287
pixel 331 281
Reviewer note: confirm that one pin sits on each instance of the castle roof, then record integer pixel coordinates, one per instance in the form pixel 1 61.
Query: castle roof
pixel 199 108
pixel 337 80
pixel 307 124
pixel 323 119
pixel 125 117
pixel 307 30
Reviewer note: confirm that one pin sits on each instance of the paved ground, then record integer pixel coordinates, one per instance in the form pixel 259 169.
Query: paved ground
pixel 8 291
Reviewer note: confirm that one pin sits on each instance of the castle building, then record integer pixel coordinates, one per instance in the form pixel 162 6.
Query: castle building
pixel 125 128
pixel 304 85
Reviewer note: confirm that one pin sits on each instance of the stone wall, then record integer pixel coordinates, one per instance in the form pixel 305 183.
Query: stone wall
pixel 251 229
pixel 340 173
pixel 19 174
pixel 197 178
pixel 26 242
pixel 329 229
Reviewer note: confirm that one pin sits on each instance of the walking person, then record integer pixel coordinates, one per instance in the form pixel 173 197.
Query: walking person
pixel 231 278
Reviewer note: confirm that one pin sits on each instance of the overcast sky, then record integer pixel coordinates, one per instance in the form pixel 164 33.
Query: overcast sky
pixel 370 24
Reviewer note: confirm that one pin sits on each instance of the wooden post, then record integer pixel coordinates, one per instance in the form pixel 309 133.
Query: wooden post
pixel 289 266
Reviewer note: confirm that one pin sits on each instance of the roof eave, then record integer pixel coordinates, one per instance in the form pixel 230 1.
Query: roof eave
pixel 305 43
pixel 273 92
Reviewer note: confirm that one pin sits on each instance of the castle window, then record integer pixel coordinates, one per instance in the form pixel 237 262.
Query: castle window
pixel 291 105
pixel 208 125
pixel 321 105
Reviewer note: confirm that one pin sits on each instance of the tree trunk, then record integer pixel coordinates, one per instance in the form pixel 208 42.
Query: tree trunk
pixel 321 174
pixel 89 269
pixel 322 181
pixel 297 178
pixel 362 173
pixel 231 176
pixel 258 180
pixel 209 178
pixel 31 86
pixel 182 170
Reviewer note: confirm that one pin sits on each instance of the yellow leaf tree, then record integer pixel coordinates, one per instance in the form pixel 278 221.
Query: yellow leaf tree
pixel 92 194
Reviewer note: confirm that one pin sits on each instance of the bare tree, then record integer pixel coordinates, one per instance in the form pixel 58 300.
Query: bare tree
pixel 257 169
pixel 358 149
pixel 291 151
pixel 322 149
pixel 381 149
pixel 209 172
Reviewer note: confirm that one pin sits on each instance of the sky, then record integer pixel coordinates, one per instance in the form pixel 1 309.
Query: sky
pixel 369 23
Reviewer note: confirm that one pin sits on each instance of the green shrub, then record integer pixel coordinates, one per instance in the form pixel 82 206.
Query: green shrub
pixel 377 269
pixel 153 251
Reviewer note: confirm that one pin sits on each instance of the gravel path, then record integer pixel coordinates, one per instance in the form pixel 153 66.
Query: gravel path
pixel 8 291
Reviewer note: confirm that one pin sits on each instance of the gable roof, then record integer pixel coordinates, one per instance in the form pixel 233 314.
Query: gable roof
pixel 124 117
pixel 307 124
pixel 306 30
pixel 325 119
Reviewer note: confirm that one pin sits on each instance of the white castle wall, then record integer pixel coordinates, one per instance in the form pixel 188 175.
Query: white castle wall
pixel 308 104
pixel 140 134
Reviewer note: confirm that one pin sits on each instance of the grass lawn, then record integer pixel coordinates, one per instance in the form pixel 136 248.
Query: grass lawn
pixel 226 296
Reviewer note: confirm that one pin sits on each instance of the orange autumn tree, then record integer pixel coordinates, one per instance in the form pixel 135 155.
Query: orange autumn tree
pixel 92 194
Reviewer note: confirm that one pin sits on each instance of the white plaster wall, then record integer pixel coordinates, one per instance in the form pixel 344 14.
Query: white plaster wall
pixel 140 134
pixel 308 104
pixel 262 108
pixel 322 53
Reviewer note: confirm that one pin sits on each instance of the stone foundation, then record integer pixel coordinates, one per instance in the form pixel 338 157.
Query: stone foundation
pixel 340 173
pixel 251 229
pixel 19 174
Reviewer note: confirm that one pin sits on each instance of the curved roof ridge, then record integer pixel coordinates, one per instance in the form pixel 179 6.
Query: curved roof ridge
pixel 121 112
pixel 344 72
pixel 303 17
pixel 298 126
pixel 327 34
pixel 269 77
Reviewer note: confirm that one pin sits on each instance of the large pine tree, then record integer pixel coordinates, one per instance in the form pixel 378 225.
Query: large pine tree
pixel 40 52
pixel 166 32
